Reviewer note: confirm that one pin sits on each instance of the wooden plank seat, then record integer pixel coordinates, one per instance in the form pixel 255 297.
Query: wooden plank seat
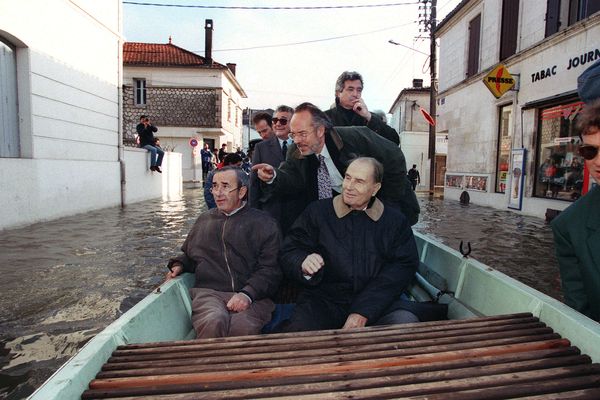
pixel 498 357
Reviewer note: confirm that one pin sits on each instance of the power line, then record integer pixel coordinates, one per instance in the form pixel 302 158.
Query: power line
pixel 136 3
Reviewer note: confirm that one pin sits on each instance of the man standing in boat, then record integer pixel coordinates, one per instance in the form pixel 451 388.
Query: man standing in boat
pixel 354 257
pixel 233 251
pixel 577 229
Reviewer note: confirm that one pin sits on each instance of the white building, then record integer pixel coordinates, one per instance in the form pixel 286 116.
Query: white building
pixel 414 133
pixel 186 96
pixel 544 45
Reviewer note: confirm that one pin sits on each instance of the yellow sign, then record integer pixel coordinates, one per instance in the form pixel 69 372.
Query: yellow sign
pixel 499 81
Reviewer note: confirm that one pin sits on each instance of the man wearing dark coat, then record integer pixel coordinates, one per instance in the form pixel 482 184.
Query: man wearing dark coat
pixel 318 159
pixel 354 255
pixel 351 110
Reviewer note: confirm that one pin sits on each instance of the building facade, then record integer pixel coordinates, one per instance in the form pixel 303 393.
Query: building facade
pixel 59 108
pixel 186 96
pixel 413 129
pixel 517 150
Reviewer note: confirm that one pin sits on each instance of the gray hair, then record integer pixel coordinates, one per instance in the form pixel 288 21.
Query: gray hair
pixel 375 165
pixel 319 118
pixel 347 76
pixel 242 177
pixel 284 108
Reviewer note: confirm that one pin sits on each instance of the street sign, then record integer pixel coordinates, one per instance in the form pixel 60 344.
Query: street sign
pixel 427 116
pixel 193 142
pixel 499 81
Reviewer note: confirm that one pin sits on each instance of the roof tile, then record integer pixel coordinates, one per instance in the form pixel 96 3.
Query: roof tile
pixel 164 55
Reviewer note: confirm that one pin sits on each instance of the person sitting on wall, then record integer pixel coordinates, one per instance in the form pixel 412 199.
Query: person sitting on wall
pixel 577 229
pixel 145 132
pixel 233 252
pixel 230 159
pixel 354 256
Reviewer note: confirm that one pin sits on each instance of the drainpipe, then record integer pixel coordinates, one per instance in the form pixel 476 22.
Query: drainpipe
pixel 121 150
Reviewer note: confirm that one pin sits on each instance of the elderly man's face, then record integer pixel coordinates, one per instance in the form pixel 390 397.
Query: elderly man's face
pixel 593 138
pixel 352 91
pixel 309 139
pixel 359 185
pixel 228 195
pixel 281 124
pixel 263 129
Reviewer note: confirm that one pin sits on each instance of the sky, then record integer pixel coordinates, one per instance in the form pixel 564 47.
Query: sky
pixel 273 70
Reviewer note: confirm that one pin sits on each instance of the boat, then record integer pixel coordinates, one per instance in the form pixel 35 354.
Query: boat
pixel 476 294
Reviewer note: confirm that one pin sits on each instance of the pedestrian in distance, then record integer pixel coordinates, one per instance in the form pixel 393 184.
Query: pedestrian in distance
pixel 414 177
pixel 145 131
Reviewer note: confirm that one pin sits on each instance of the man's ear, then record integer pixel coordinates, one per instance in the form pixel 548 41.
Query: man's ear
pixel 321 131
pixel 376 188
pixel 243 192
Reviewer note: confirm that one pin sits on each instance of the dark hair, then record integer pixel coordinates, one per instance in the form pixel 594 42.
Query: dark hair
pixel 284 108
pixel 319 118
pixel 589 117
pixel 414 165
pixel 242 177
pixel 231 158
pixel 143 116
pixel 347 76
pixel 263 115
pixel 376 165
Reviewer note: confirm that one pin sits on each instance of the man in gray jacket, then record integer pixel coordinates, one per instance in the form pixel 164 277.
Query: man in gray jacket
pixel 233 251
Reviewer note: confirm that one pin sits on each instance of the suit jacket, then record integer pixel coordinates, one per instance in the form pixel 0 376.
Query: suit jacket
pixel 577 242
pixel 269 151
pixel 342 117
pixel 297 176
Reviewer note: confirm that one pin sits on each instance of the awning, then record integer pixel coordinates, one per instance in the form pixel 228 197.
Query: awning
pixel 552 100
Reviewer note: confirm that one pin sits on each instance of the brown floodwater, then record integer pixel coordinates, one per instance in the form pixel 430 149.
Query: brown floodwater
pixel 65 280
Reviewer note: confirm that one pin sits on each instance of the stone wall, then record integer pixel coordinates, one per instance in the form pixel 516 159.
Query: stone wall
pixel 172 107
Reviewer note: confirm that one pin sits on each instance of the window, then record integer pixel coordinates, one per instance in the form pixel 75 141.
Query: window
pixel 581 9
pixel 552 17
pixel 559 168
pixel 505 130
pixel 237 116
pixel 474 40
pixel 140 92
pixel 510 28
pixel 9 126
pixel 229 110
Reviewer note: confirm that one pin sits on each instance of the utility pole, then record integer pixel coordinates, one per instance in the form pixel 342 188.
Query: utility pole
pixel 429 8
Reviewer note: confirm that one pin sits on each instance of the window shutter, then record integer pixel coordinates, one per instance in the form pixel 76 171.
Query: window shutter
pixel 474 40
pixel 510 28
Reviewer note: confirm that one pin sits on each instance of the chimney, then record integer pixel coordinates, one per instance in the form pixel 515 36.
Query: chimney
pixel 231 67
pixel 208 28
pixel 417 83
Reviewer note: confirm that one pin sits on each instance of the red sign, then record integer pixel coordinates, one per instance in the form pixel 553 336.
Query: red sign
pixel 193 142
pixel 427 116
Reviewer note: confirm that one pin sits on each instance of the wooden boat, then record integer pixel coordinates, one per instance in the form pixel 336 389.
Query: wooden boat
pixel 503 340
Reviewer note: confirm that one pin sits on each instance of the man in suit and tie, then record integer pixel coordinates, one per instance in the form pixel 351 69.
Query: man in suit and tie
pixel 317 162
pixel 273 151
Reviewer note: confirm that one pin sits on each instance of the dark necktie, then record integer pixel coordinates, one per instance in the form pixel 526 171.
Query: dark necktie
pixel 323 179
pixel 284 148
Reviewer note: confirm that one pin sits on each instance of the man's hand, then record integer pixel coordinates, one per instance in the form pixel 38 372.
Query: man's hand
pixel 176 269
pixel 361 109
pixel 355 321
pixel 312 264
pixel 238 302
pixel 265 172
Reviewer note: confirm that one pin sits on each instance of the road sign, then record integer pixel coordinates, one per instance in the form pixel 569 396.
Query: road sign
pixel 499 81
pixel 427 116
pixel 193 142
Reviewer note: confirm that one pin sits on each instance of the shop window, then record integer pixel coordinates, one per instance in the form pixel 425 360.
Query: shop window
pixel 510 28
pixel 559 168
pixel 474 41
pixel 140 92
pixel 505 133
pixel 9 126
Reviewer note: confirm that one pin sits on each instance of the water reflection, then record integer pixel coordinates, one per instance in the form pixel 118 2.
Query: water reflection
pixel 65 280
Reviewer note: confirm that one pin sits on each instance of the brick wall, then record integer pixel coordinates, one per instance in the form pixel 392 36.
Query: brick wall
pixel 172 107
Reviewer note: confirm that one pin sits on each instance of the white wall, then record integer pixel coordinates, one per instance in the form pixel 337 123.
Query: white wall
pixel 143 184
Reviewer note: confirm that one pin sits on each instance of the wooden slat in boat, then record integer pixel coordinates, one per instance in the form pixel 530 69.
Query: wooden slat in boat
pixel 493 358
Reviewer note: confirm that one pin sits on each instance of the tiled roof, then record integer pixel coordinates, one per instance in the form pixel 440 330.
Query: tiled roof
pixel 163 55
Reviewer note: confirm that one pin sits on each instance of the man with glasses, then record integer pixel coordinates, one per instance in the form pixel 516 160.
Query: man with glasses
pixel 273 152
pixel 351 110
pixel 577 229
pixel 318 159
pixel 233 252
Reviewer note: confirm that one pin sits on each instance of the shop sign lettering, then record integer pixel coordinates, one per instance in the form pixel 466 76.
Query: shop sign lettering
pixel 574 62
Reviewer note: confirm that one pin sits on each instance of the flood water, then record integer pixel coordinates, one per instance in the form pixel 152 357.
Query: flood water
pixel 64 281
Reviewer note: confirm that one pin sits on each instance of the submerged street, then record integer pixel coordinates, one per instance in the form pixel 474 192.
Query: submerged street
pixel 65 280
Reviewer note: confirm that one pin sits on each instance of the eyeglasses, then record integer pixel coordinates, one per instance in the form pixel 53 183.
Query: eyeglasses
pixel 588 151
pixel 299 135
pixel 222 189
pixel 282 121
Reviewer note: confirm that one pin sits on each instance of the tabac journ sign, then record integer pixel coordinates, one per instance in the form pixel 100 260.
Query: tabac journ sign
pixel 499 81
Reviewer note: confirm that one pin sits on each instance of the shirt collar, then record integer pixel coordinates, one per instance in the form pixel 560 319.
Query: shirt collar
pixel 236 210
pixel 324 152
pixel 341 209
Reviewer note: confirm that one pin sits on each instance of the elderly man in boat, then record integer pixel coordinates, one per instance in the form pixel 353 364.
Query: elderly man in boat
pixel 232 249
pixel 354 255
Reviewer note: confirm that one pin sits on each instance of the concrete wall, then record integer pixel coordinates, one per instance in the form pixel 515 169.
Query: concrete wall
pixel 143 184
